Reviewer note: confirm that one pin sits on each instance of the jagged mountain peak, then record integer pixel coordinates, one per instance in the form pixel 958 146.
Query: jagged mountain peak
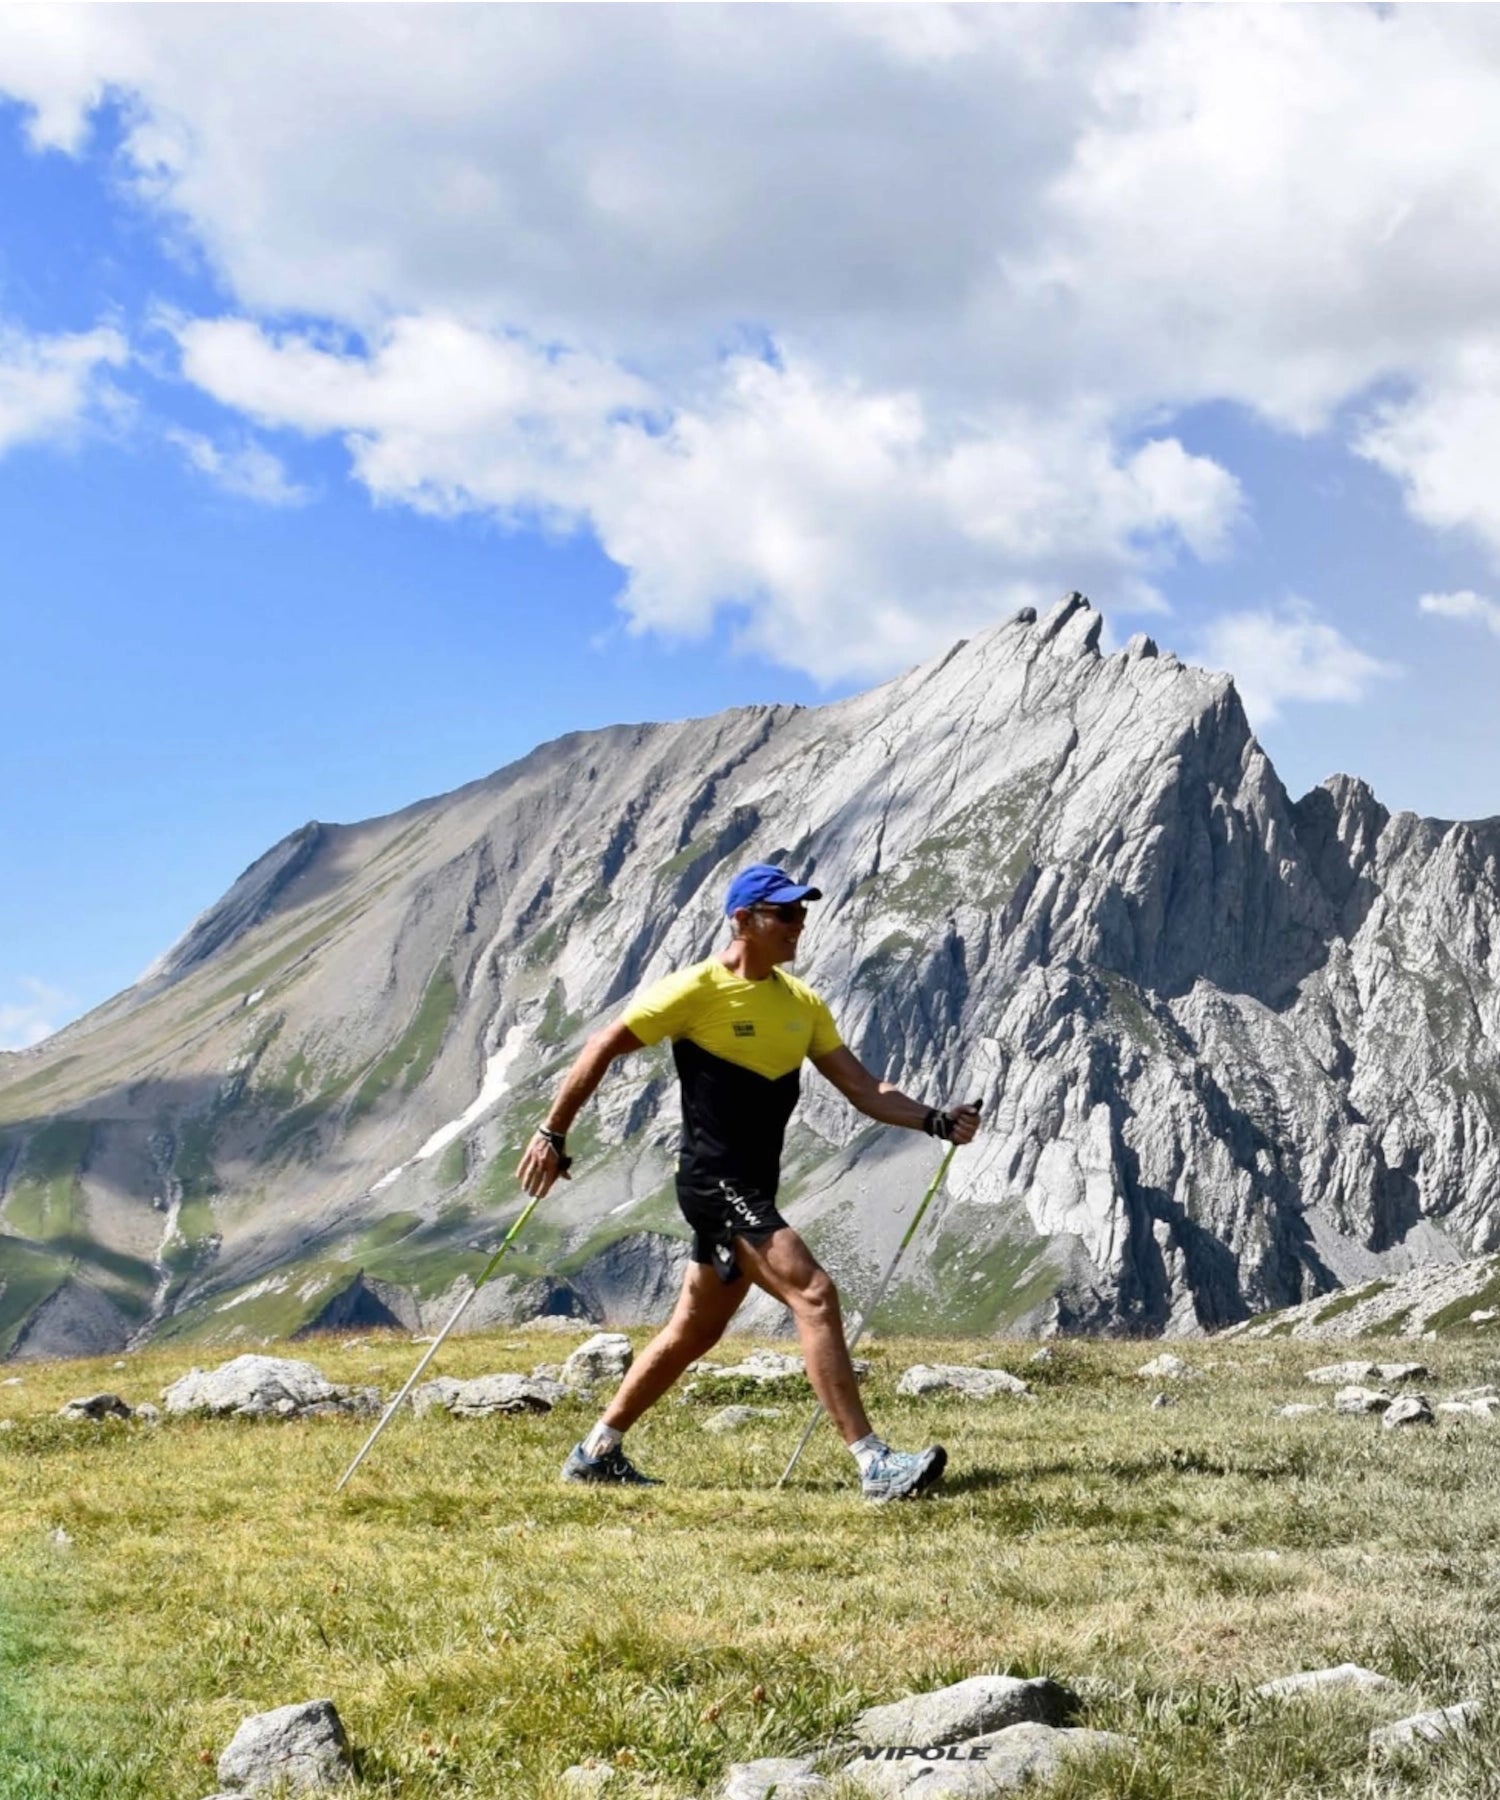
pixel 1233 1050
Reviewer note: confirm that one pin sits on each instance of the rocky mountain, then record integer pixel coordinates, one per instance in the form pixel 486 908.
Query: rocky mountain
pixel 1235 1050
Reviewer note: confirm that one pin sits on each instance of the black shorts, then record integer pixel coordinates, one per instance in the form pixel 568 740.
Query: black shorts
pixel 721 1214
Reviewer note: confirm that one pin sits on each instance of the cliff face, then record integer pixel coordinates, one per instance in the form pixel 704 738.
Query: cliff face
pixel 1233 1051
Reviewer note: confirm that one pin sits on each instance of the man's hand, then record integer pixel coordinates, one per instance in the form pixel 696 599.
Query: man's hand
pixel 541 1165
pixel 957 1125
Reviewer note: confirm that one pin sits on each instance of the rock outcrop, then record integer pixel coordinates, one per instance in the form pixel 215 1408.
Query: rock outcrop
pixel 1236 1051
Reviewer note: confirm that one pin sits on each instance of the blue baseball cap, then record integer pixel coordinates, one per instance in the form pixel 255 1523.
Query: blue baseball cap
pixel 763 884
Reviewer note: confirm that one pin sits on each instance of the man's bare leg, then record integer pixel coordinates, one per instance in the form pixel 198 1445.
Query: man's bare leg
pixel 784 1266
pixel 702 1314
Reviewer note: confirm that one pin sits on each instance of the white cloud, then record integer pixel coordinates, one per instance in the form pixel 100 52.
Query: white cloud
pixel 1443 444
pixel 1473 608
pixel 26 1022
pixel 993 245
pixel 848 528
pixel 245 469
pixel 48 383
pixel 1285 654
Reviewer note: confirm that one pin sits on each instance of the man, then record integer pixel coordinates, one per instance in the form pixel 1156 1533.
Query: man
pixel 740 1030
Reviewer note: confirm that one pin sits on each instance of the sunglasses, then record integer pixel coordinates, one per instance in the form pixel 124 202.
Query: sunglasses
pixel 793 914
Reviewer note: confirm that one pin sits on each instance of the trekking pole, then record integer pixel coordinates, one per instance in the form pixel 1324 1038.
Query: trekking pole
pixel 437 1342
pixel 869 1311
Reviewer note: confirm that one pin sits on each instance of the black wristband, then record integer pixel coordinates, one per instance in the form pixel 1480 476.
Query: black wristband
pixel 557 1139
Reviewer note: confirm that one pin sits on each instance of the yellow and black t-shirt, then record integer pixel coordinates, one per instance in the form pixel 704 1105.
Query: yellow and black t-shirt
pixel 739 1047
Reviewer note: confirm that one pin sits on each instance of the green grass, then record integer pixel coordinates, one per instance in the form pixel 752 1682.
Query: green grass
pixel 481 1627
pixel 1346 1302
pixel 46 1199
pixel 406 1064
pixel 1458 1315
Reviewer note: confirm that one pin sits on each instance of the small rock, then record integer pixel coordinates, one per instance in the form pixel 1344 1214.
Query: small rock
pixel 97 1407
pixel 1398 1372
pixel 1410 1409
pixel 967 1708
pixel 1485 1316
pixel 1346 1675
pixel 13 1381
pixel 355 1344
pixel 298 1748
pixel 1158 1401
pixel 257 1387
pixel 1488 1410
pixel 1296 1409
pixel 61 1538
pixel 1455 1406
pixel 118 1365
pixel 588 1778
pixel 487 1394
pixel 606 1356
pixel 1045 1355
pixel 1166 1367
pixel 785 1777
pixel 736 1418
pixel 151 1414
pixel 1344 1374
pixel 7 1424
pixel 953 1378
pixel 995 1763
pixel 1470 1395
pixel 1425 1728
pixel 1360 1400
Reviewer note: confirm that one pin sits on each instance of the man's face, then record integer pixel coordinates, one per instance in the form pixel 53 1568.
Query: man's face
pixel 773 929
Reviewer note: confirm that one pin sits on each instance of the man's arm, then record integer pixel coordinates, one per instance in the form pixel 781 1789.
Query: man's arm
pixel 542 1162
pixel 879 1100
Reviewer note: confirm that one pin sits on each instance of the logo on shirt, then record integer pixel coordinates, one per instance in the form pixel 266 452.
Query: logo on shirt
pixel 743 1028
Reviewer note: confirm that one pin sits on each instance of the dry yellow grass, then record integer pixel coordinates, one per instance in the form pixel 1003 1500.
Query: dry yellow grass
pixel 481 1627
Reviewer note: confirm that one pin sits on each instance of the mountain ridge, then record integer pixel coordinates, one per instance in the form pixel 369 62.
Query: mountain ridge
pixel 1236 1048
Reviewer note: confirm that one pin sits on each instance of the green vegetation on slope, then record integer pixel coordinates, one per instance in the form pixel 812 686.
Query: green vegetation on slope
pixel 406 1064
pixel 481 1627
pixel 46 1198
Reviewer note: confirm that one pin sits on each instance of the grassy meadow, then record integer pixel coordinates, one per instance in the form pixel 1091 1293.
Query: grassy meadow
pixel 481 1627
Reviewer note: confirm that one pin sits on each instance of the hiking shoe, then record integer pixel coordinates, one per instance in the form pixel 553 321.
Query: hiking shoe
pixel 903 1474
pixel 613 1467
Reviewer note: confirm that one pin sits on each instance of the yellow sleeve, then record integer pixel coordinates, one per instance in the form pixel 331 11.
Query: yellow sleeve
pixel 825 1034
pixel 667 1008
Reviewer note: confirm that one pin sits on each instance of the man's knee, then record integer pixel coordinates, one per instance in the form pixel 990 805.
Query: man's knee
pixel 816 1296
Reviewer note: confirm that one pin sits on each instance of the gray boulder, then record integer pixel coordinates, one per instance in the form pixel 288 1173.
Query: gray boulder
pixel 604 1357
pixel 1166 1367
pixel 1425 1728
pixel 964 1710
pixel 1410 1409
pixel 1309 1681
pixel 587 1778
pixel 488 1394
pixel 256 1387
pixel 1344 1374
pixel 736 1418
pixel 293 1749
pixel 1360 1400
pixel 784 1777
pixel 953 1378
pixel 97 1407
pixel 997 1762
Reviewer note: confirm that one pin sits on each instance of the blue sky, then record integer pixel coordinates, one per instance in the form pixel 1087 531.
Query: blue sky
pixel 384 394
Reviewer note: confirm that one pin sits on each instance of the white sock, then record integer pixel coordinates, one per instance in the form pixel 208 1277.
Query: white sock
pixel 601 1440
pixel 867 1449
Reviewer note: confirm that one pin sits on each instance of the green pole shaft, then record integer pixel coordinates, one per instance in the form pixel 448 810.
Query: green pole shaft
pixel 437 1343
